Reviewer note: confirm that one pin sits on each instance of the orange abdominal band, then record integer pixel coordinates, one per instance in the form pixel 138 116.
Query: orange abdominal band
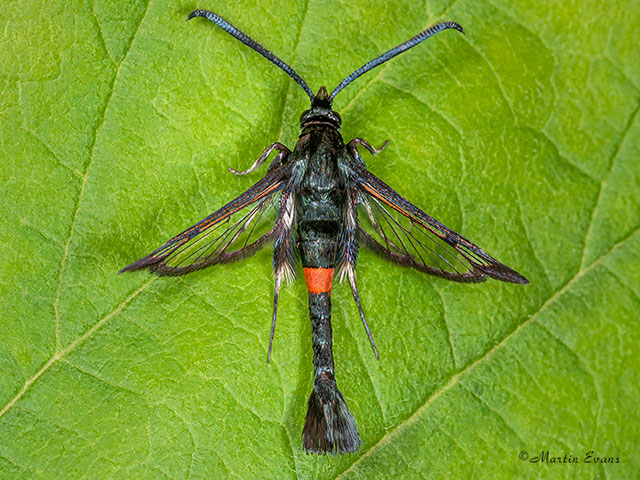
pixel 319 280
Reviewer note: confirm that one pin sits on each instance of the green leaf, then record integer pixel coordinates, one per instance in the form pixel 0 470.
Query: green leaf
pixel 119 121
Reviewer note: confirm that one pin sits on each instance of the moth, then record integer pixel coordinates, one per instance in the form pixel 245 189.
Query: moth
pixel 328 204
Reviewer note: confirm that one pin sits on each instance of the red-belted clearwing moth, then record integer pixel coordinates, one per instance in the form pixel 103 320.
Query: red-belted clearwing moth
pixel 317 190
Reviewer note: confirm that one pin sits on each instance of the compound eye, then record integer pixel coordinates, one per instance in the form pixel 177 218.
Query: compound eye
pixel 304 114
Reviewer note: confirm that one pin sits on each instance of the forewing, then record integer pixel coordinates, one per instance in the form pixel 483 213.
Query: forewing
pixel 399 231
pixel 235 231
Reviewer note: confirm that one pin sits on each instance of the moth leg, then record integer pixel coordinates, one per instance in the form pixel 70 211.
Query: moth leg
pixel 283 152
pixel 275 313
pixel 284 258
pixel 361 141
pixel 354 288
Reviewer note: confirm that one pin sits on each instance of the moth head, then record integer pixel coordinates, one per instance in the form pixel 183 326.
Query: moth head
pixel 320 111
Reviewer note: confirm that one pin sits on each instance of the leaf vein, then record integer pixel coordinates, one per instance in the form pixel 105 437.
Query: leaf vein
pixel 448 330
pixel 493 411
pixel 603 183
pixel 58 355
pixel 63 262
pixel 496 76
pixel 422 102
pixel 583 366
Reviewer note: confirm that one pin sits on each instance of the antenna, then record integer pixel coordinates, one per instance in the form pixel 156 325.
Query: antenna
pixel 251 43
pixel 412 42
